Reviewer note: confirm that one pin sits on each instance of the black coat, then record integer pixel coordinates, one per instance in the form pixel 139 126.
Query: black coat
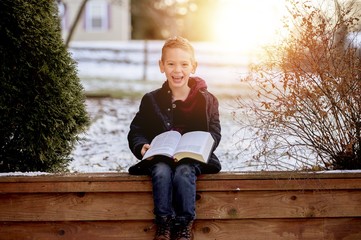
pixel 155 116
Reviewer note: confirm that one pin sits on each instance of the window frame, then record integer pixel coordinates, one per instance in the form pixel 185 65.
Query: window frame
pixel 90 15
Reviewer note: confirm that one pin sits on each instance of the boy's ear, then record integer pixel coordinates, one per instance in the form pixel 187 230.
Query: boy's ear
pixel 161 66
pixel 194 65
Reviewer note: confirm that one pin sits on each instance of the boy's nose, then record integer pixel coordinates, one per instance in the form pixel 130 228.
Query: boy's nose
pixel 177 68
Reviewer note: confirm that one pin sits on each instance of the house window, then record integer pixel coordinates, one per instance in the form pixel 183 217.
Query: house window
pixel 96 16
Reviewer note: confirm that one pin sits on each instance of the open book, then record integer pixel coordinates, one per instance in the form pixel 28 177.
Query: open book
pixel 196 145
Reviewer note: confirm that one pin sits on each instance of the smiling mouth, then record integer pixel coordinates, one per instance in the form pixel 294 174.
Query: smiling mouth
pixel 177 79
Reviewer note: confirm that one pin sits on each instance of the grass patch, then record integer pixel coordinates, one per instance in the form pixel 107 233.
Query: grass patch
pixel 117 94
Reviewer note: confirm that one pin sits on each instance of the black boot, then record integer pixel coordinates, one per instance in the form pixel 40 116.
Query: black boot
pixel 183 231
pixel 163 228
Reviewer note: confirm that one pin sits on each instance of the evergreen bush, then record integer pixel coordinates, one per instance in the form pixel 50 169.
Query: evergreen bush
pixel 42 106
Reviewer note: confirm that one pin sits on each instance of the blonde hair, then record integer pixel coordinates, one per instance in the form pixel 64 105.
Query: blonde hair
pixel 179 42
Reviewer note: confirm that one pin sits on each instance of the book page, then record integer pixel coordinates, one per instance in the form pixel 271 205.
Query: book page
pixel 163 144
pixel 196 145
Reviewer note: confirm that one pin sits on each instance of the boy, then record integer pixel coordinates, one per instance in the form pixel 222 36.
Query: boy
pixel 182 104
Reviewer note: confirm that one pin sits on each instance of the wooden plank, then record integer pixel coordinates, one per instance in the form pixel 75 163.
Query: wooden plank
pixel 277 184
pixel 104 230
pixel 210 205
pixel 280 229
pixel 249 229
pixel 74 177
pixel 75 207
pixel 122 176
pixel 60 187
pixel 144 185
pixel 276 204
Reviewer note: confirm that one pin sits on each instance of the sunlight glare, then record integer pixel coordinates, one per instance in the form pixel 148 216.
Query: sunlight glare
pixel 247 24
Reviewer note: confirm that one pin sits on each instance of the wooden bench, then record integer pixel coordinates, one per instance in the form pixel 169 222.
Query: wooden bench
pixel 232 206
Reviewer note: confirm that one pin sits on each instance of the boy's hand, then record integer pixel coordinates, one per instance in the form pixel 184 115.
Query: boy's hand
pixel 144 149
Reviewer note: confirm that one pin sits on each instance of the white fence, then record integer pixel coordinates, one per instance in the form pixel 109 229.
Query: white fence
pixel 138 60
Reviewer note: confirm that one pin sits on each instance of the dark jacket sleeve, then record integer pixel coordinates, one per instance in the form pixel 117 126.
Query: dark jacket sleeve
pixel 214 122
pixel 147 123
pixel 214 127
pixel 138 134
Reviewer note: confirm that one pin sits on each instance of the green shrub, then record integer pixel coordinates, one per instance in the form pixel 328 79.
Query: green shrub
pixel 41 99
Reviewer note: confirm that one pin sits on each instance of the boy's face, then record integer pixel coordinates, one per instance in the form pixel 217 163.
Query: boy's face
pixel 177 66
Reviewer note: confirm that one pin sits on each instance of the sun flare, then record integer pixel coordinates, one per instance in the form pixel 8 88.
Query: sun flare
pixel 247 24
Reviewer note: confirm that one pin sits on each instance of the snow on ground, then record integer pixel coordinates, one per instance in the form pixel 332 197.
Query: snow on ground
pixel 104 147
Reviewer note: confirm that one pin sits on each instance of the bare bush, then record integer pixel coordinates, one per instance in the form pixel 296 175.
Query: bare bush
pixel 306 113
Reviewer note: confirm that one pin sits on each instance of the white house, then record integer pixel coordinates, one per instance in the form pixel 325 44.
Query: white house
pixel 101 20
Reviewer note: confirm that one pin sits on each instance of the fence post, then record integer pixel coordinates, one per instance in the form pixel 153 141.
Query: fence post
pixel 145 62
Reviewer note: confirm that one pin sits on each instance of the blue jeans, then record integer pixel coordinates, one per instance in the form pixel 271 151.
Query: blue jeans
pixel 174 190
